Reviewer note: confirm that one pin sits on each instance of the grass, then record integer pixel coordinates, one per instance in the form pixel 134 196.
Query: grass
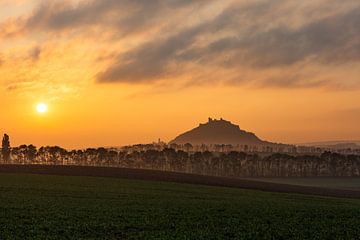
pixel 55 207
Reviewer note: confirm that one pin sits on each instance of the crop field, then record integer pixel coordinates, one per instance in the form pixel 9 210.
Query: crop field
pixel 69 207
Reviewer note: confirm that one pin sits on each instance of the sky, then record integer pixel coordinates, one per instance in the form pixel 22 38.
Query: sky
pixel 118 72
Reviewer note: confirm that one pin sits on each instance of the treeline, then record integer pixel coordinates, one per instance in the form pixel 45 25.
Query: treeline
pixel 230 164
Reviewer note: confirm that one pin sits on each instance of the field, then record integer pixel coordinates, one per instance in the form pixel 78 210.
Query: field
pixel 351 183
pixel 79 207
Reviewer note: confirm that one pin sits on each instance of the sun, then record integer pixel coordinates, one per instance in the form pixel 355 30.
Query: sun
pixel 41 108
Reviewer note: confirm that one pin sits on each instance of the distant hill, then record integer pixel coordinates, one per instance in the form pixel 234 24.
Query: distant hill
pixel 218 132
pixel 335 144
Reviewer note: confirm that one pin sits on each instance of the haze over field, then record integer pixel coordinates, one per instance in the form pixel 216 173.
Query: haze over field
pixel 80 73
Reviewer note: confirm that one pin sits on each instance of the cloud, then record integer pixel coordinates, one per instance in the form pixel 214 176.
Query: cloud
pixel 150 60
pixel 125 15
pixel 268 43
pixel 330 40
pixel 334 39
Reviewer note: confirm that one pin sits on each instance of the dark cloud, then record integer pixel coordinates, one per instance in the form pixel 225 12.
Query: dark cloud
pixel 125 15
pixel 333 39
pixel 151 60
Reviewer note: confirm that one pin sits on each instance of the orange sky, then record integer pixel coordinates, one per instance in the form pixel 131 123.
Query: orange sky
pixel 123 72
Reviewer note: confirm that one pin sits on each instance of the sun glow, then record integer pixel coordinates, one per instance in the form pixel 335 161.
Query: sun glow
pixel 41 108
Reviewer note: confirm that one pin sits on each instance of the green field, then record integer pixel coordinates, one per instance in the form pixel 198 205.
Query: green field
pixel 55 207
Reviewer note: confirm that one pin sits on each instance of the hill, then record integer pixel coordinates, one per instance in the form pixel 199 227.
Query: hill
pixel 218 132
pixel 346 144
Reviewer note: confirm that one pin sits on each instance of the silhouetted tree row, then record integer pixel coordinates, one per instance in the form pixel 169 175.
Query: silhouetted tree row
pixel 231 164
pixel 5 148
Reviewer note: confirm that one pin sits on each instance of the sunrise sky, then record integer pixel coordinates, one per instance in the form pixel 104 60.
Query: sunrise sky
pixel 116 72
